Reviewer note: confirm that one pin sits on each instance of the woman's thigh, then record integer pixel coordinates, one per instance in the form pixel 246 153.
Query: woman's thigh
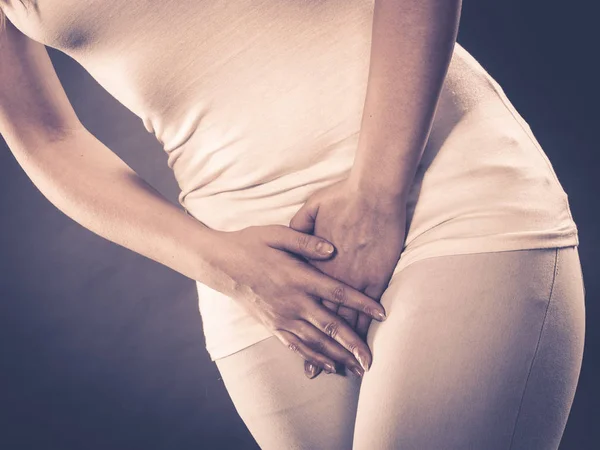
pixel 282 408
pixel 479 351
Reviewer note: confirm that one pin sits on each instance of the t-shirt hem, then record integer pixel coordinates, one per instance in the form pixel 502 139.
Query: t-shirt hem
pixel 483 244
pixel 256 332
pixel 252 336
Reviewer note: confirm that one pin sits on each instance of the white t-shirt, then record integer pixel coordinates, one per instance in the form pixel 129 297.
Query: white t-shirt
pixel 259 104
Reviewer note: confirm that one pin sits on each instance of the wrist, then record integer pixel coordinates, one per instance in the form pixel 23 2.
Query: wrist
pixel 378 190
pixel 201 248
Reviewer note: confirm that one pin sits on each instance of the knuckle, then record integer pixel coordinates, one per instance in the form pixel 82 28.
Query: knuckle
pixel 285 324
pixel 268 233
pixel 303 241
pixel 293 347
pixel 332 329
pixel 339 294
pixel 271 228
pixel 294 310
pixel 301 307
pixel 279 324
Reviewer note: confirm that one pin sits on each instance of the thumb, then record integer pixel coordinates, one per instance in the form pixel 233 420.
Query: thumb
pixel 305 217
pixel 303 244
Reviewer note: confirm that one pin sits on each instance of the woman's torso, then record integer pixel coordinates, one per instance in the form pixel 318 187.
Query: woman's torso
pixel 258 104
pixel 244 96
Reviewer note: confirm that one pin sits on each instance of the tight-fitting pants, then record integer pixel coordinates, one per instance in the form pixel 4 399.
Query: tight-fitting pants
pixel 479 351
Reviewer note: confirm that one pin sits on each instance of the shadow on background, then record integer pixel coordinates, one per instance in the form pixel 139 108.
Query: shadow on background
pixel 101 348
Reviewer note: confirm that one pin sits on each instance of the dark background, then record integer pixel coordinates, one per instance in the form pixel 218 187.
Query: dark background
pixel 101 348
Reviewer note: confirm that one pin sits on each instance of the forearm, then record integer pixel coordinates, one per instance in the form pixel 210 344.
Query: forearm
pixel 412 44
pixel 94 187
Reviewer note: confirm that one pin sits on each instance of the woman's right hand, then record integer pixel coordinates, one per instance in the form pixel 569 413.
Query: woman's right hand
pixel 263 268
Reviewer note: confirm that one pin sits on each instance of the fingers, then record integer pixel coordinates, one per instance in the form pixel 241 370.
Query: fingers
pixel 338 330
pixel 325 345
pixel 359 321
pixel 295 344
pixel 328 288
pixel 310 370
pixel 307 245
pixel 362 325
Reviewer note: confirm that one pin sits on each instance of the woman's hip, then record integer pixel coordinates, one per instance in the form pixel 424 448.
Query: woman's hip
pixel 488 345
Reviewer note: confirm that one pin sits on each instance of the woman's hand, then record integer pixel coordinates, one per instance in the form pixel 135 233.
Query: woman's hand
pixel 368 232
pixel 263 268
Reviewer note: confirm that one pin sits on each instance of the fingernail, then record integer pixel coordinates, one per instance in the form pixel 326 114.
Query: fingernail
pixel 381 316
pixel 311 369
pixel 325 248
pixel 362 360
pixel 357 371
pixel 329 368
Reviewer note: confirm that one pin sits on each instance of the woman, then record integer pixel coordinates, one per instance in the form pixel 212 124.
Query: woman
pixel 291 125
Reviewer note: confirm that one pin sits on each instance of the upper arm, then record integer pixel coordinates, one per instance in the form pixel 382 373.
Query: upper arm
pixel 33 103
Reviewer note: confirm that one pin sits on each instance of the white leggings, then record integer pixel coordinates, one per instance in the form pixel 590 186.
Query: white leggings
pixel 479 351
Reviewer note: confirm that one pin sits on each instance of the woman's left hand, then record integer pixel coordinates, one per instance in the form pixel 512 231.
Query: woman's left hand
pixel 368 232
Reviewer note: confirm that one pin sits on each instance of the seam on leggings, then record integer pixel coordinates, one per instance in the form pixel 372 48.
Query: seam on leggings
pixel 536 349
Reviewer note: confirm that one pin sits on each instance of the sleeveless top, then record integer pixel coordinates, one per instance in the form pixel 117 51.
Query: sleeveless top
pixel 258 104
